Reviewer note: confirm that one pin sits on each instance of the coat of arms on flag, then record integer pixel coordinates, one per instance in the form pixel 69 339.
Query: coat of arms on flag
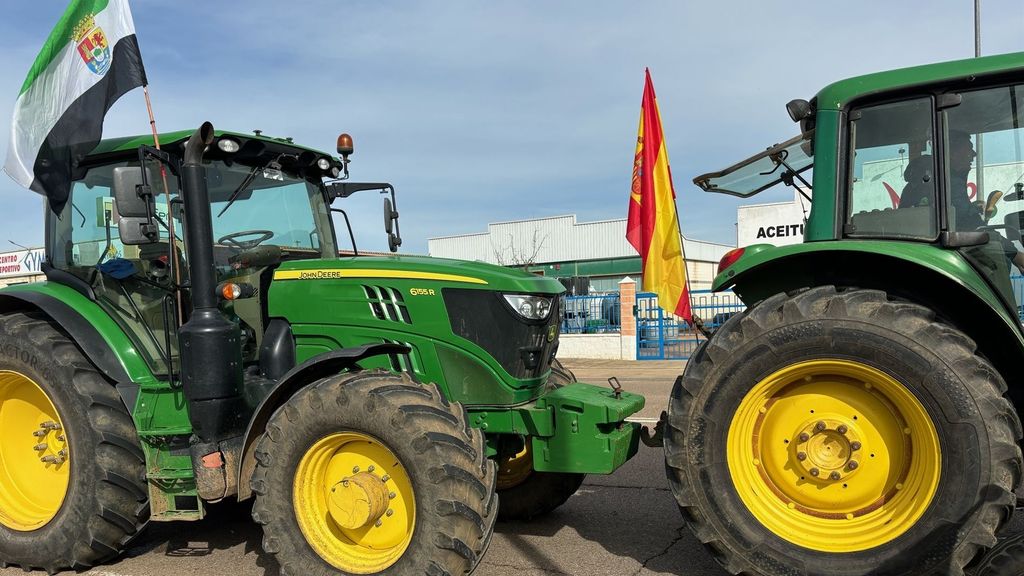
pixel 92 44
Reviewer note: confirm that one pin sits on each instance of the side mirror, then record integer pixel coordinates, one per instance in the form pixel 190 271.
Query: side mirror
pixel 134 204
pixel 391 225
pixel 389 216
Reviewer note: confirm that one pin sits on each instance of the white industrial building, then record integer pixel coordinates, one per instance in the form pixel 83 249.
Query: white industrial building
pixel 560 246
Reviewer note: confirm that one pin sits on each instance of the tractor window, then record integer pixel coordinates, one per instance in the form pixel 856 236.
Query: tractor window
pixel 134 286
pixel 893 191
pixel 984 150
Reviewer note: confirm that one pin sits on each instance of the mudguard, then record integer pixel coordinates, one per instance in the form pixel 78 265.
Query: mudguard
pixel 88 325
pixel 317 367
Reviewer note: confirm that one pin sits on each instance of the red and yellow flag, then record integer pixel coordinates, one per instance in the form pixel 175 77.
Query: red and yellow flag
pixel 652 227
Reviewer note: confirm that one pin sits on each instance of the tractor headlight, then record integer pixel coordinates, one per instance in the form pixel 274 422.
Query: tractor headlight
pixel 530 307
pixel 228 145
pixel 323 164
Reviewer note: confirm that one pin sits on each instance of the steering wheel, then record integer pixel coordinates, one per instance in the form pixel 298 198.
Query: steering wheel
pixel 232 241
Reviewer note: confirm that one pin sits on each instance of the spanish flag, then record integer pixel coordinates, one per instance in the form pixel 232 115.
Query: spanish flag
pixel 89 60
pixel 653 227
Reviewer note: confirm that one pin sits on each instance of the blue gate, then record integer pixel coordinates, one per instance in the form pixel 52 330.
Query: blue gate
pixel 661 335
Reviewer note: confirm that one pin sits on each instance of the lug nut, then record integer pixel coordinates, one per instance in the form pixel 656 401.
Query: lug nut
pixel 842 429
pixel 378 523
pixel 40 447
pixel 855 445
pixel 819 426
pixel 371 468
pixel 385 478
pixel 390 512
pixel 801 456
pixel 49 459
pixel 804 436
pixel 355 469
pixel 39 433
pixel 815 472
pixel 391 495
pixel 852 465
pixel 834 476
pixel 48 425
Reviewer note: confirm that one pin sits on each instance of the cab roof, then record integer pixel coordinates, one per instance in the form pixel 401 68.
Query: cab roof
pixel 838 95
pixel 178 138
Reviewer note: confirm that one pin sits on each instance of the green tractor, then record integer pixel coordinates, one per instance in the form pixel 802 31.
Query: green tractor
pixel 862 416
pixel 199 338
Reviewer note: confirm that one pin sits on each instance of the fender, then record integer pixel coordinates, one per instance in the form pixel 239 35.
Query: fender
pixel 317 367
pixel 88 325
pixel 937 278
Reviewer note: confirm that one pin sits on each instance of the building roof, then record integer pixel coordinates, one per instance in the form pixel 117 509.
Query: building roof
pixel 554 239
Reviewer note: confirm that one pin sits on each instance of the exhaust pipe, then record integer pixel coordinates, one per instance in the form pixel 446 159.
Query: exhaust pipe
pixel 209 344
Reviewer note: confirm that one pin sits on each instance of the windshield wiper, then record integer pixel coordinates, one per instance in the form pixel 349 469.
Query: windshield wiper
pixel 245 184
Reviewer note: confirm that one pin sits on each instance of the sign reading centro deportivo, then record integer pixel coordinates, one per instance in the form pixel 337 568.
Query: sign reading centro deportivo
pixel 21 263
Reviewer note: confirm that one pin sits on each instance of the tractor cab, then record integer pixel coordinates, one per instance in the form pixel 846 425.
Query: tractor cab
pixel 268 203
pixel 943 166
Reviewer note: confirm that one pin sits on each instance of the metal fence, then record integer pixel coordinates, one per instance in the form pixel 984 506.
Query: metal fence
pixel 662 335
pixel 595 314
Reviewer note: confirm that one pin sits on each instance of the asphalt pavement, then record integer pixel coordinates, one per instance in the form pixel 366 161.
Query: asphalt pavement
pixel 625 524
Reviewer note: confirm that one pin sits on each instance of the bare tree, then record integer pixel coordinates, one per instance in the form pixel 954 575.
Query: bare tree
pixel 519 256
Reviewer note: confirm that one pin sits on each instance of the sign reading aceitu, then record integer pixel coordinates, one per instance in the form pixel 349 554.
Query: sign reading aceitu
pixel 21 263
pixel 778 223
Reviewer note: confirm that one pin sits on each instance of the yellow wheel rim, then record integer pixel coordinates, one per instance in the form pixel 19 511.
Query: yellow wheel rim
pixel 354 503
pixel 834 455
pixel 515 469
pixel 34 466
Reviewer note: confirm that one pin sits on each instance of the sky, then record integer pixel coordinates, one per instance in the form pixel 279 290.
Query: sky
pixel 484 112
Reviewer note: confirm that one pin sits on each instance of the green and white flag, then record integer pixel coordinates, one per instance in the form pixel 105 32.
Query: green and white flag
pixel 89 60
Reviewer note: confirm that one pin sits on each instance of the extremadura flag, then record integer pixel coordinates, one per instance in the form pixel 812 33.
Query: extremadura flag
pixel 89 60
pixel 652 227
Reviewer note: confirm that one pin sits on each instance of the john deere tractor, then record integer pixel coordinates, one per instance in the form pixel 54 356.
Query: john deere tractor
pixel 199 338
pixel 862 416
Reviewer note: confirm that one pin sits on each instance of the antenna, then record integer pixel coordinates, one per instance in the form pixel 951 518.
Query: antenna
pixel 977 28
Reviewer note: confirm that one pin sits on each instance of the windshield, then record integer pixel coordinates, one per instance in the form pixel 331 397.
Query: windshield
pixel 763 170
pixel 250 203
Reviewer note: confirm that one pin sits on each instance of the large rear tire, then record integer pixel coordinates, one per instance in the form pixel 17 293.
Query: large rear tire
pixel 72 474
pixel 525 493
pixel 371 473
pixel 842 433
pixel 1004 559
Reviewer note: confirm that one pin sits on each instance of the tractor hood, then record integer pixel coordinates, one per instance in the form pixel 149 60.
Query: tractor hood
pixel 420 268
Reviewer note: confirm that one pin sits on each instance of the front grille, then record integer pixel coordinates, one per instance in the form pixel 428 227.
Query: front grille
pixel 523 348
pixel 387 304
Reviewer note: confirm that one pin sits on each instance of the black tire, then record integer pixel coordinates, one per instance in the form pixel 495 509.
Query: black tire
pixel 106 502
pixel 958 389
pixel 444 457
pixel 541 492
pixel 1006 558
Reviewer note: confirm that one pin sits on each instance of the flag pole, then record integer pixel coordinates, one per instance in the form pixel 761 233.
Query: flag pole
pixel 697 324
pixel 170 213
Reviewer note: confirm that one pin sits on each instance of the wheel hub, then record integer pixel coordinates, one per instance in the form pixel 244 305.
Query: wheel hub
pixel 358 500
pixel 827 449
pixel 354 503
pixel 834 455
pixel 34 467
